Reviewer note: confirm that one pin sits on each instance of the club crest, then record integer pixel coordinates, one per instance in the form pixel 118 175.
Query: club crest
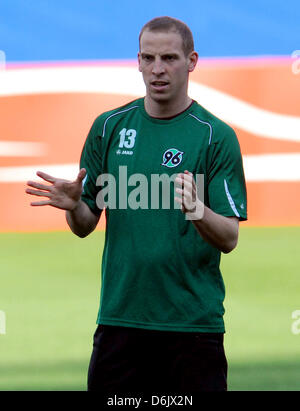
pixel 172 157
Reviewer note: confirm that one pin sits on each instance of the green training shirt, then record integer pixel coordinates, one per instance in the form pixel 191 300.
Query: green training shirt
pixel 157 271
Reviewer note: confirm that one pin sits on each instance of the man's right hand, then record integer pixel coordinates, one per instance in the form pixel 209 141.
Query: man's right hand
pixel 63 194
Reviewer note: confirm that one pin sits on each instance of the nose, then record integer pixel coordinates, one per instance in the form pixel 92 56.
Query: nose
pixel 158 66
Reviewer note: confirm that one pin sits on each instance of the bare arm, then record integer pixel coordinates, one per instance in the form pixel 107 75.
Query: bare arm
pixel 82 220
pixel 219 231
pixel 65 194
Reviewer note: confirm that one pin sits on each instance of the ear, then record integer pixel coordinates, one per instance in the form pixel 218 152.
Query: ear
pixel 193 60
pixel 139 60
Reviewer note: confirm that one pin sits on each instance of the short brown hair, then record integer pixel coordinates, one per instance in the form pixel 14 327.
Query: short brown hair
pixel 165 24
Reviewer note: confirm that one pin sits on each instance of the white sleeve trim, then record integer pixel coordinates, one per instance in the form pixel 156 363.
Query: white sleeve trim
pixel 230 200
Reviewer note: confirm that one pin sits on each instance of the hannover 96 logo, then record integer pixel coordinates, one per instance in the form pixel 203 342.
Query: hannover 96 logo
pixel 172 157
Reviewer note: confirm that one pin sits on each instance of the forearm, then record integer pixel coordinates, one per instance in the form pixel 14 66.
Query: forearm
pixel 217 230
pixel 81 220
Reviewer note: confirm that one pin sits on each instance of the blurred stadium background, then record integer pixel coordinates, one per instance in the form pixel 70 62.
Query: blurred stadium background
pixel 65 62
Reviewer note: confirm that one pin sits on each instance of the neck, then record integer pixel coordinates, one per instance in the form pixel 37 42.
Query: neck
pixel 162 109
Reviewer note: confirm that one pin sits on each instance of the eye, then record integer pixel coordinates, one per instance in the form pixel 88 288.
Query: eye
pixel 147 57
pixel 169 57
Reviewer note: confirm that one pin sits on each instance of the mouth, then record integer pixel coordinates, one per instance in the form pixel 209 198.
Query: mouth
pixel 159 85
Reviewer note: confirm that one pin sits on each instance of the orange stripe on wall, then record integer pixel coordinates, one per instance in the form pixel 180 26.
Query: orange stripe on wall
pixel 273 203
pixel 62 121
pixel 16 214
pixel 269 85
pixel 269 203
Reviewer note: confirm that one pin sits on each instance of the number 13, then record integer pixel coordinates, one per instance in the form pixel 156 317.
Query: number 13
pixel 127 138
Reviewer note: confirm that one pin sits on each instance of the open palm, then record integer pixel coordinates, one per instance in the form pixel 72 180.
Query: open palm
pixel 63 194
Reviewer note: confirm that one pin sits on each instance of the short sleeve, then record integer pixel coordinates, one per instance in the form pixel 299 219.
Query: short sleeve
pixel 227 193
pixel 91 160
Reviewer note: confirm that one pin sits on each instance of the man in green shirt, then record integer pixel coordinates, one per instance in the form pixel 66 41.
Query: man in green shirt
pixel 160 322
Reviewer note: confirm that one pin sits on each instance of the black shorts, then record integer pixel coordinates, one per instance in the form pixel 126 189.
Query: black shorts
pixel 136 360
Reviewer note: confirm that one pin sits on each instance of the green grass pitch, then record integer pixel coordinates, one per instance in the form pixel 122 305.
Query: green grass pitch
pixel 49 292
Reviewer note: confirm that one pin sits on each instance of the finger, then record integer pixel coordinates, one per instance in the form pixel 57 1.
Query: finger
pixel 185 198
pixel 34 184
pixel 188 176
pixel 180 201
pixel 179 181
pixel 40 203
pixel 37 193
pixel 189 182
pixel 46 177
pixel 186 184
pixel 81 175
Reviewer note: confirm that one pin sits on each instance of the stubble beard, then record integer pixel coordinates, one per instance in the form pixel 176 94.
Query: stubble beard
pixel 165 100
